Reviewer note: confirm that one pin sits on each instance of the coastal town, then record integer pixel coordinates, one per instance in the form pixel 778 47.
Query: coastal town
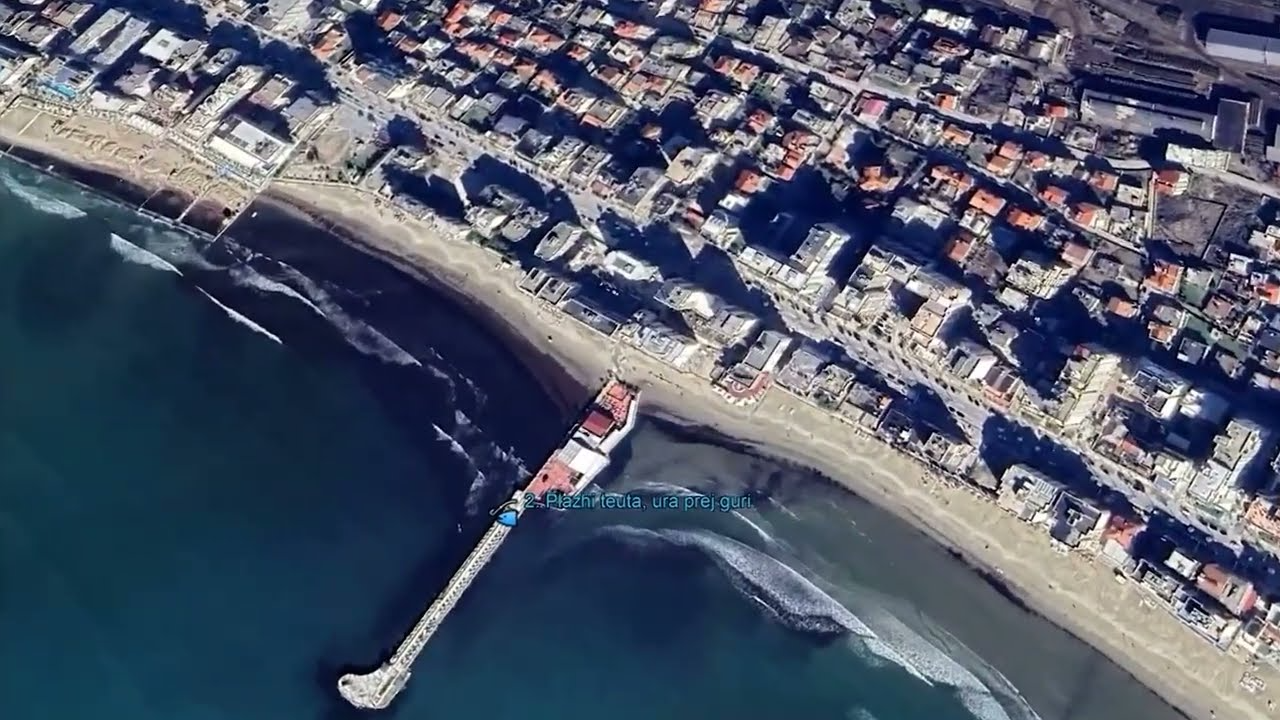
pixel 1033 246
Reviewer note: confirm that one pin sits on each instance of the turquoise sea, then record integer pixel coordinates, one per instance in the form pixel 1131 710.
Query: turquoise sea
pixel 228 474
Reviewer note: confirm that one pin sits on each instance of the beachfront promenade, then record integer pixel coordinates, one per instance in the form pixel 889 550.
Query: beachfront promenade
pixel 376 690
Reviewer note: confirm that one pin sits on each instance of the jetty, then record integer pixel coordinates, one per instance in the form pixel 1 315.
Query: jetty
pixel 376 690
pixel 570 469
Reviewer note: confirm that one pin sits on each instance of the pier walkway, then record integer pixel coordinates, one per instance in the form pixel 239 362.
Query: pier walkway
pixel 376 690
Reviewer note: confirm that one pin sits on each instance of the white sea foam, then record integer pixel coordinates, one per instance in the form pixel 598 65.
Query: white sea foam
pixel 784 509
pixel 140 256
pixel 241 318
pixel 359 334
pixel 476 488
pixel 454 445
pixel 40 201
pixel 764 535
pixel 942 667
pixel 666 488
pixel 245 276
pixel 174 246
pixel 789 594
pixel 487 460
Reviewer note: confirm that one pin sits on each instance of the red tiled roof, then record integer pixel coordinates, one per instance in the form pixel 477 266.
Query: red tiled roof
pixel 597 423
pixel 554 475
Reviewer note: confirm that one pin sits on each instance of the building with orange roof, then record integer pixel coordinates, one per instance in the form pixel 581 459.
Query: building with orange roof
pixel 544 41
pixel 1011 150
pixel 956 135
pixel 877 178
pixel 1165 277
pixel 946 101
pixel 987 202
pixel 1076 254
pixel 329 44
pixel 1171 182
pixel 1055 110
pixel 871 108
pixel 1001 166
pixel 1268 292
pixel 749 181
pixel 388 20
pixel 1117 540
pixel 1121 307
pixel 1161 333
pixel 456 14
pixel 1024 219
pixel 1262 523
pixel 504 58
pixel 1089 215
pixel 408 45
pixel 1103 181
pixel 960 246
pixel 1036 160
pixel 1054 196
pixel 1234 593
pixel 759 121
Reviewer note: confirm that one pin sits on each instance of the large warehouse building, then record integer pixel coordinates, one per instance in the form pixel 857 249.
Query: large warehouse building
pixel 1245 47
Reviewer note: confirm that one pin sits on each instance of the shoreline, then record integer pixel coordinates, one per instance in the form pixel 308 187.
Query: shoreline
pixel 1042 592
pixel 568 392
pixel 988 541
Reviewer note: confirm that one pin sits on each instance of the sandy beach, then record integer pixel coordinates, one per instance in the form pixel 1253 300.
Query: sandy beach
pixel 150 164
pixel 1081 596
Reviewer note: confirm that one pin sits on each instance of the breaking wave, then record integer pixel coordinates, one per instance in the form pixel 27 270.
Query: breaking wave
pixel 174 246
pixel 242 319
pixel 489 463
pixel 790 596
pixel 801 604
pixel 360 335
pixel 476 489
pixel 942 667
pixel 664 488
pixel 39 201
pixel 140 256
pixel 245 276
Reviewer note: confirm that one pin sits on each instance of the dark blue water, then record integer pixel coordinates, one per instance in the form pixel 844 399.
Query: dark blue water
pixel 209 514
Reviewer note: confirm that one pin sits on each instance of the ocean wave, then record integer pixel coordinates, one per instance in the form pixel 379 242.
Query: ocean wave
pixel 665 488
pixel 791 597
pixel 764 534
pixel 245 276
pixel 174 246
pixel 784 509
pixel 981 697
pixel 242 319
pixel 359 334
pixel 800 603
pixel 489 462
pixel 38 201
pixel 140 255
pixel 454 445
pixel 476 489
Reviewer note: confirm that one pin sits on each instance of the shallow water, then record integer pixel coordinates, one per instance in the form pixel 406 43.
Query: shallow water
pixel 228 474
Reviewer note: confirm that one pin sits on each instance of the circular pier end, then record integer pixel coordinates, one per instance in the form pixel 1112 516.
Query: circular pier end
pixel 375 690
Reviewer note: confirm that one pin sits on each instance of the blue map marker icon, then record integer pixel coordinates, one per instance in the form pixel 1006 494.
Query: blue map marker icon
pixel 506 513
